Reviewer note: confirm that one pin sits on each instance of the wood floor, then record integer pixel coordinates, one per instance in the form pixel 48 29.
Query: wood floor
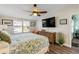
pixel 56 49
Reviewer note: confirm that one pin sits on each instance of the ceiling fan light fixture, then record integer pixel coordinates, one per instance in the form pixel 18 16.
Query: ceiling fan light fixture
pixel 35 14
pixel 36 11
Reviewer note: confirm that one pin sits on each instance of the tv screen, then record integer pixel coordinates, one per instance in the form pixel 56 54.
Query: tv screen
pixel 49 22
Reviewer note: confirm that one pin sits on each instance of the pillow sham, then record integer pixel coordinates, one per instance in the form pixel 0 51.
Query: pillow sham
pixel 6 32
pixel 5 37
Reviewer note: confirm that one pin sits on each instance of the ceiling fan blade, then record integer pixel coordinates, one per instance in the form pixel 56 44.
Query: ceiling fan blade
pixel 38 14
pixel 42 11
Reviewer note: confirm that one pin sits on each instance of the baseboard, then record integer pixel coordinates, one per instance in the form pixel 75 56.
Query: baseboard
pixel 67 45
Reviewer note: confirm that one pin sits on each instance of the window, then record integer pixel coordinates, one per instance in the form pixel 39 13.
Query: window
pixel 26 25
pixel 17 25
pixel 21 26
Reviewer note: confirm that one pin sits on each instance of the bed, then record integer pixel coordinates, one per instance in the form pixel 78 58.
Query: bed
pixel 28 43
pixel 24 43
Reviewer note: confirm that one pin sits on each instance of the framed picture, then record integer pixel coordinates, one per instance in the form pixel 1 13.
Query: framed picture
pixel 33 24
pixel 63 21
pixel 7 22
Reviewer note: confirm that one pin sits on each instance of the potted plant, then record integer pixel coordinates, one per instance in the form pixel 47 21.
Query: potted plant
pixel 61 40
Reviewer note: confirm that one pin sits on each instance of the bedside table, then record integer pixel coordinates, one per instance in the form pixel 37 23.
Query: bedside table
pixel 4 47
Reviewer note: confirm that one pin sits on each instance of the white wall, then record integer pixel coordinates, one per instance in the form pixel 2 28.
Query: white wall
pixel 65 13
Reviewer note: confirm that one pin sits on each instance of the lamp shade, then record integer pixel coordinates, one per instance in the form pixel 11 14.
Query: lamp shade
pixel 3 27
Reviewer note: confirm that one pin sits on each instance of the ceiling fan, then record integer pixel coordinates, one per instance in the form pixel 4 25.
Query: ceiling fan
pixel 36 11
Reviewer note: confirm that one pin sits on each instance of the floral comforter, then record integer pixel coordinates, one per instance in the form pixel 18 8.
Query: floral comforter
pixel 31 46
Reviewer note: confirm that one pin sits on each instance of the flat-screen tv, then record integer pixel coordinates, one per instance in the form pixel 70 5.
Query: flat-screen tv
pixel 48 22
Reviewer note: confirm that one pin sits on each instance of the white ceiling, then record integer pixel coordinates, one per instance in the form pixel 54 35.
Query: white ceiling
pixel 17 10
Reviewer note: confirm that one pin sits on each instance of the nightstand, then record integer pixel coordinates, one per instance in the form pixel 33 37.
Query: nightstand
pixel 4 47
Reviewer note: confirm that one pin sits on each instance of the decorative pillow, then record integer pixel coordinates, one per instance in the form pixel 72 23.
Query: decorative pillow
pixel 6 32
pixel 5 37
